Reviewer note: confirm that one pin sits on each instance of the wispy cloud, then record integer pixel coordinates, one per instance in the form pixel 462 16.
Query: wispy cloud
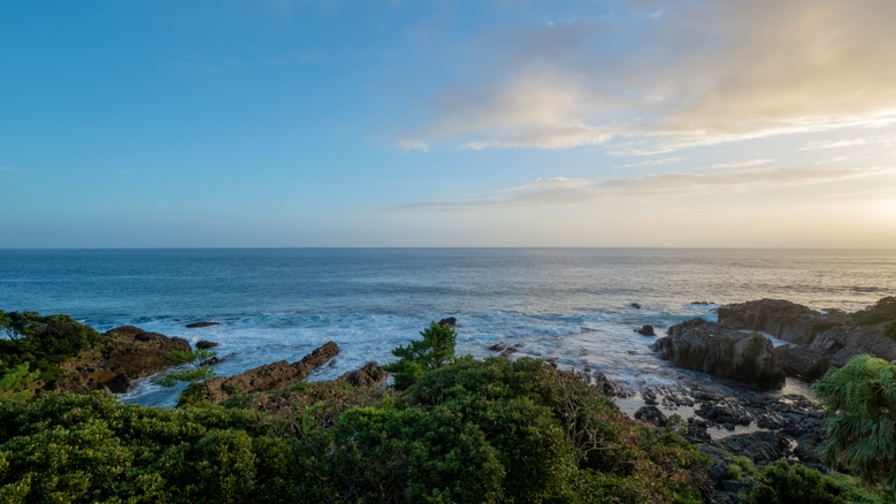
pixel 741 164
pixel 705 73
pixel 565 191
pixel 834 144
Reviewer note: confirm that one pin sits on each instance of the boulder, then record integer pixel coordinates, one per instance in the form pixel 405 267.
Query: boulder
pixel 635 306
pixel 497 347
pixel 196 325
pixel 205 344
pixel 369 376
pixel 651 415
pixel 449 322
pixel 646 330
pixel 802 362
pixel 712 349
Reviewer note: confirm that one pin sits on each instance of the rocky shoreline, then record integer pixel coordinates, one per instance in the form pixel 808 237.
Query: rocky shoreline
pixel 744 411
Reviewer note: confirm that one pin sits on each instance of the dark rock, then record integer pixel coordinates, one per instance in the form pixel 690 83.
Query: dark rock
pixel 760 447
pixel 710 348
pixel 205 344
pixel 120 384
pixel 497 347
pixel 369 376
pixel 646 330
pixel 509 351
pixel 726 414
pixel 833 334
pixel 651 415
pixel 612 389
pixel 635 306
pixel 649 397
pixel 214 361
pixel 196 325
pixel 731 486
pixel 268 376
pixel 803 362
pixel 449 322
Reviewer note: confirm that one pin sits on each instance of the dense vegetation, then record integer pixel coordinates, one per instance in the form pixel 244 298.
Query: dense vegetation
pixel 493 431
pixel 44 342
pixel 860 421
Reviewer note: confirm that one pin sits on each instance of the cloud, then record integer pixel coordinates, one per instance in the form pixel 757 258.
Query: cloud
pixel 833 144
pixel 703 73
pixel 564 191
pixel 742 164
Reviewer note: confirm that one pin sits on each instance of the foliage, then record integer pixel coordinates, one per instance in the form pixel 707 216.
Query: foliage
pixel 860 418
pixel 782 483
pixel 14 381
pixel 435 350
pixel 192 368
pixel 494 431
pixel 44 342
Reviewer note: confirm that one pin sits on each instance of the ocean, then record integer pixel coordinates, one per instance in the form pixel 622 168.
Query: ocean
pixel 573 305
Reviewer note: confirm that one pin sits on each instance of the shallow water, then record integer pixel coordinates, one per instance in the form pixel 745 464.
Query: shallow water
pixel 568 304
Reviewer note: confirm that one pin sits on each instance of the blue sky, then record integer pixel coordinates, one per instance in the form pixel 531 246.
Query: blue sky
pixel 493 123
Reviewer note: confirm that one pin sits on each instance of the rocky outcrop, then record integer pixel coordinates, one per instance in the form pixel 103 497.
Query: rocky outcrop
pixel 369 376
pixel 266 377
pixel 129 353
pixel 448 322
pixel 197 325
pixel 710 348
pixel 205 344
pixel 836 336
pixel 646 330
pixel 802 362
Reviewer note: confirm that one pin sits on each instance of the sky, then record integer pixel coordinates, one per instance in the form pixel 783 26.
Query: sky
pixel 490 123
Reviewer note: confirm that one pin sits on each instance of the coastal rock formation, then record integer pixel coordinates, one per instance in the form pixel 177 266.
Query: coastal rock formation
pixel 196 325
pixel 130 353
pixel 710 348
pixel 802 362
pixel 205 344
pixel 265 377
pixel 837 336
pixel 646 330
pixel 450 322
pixel 369 376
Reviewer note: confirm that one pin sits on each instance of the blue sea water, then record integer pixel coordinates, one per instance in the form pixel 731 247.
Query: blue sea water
pixel 568 304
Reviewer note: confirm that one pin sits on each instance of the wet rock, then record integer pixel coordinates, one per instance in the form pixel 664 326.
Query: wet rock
pixel 497 347
pixel 651 415
pixel 611 388
pixel 369 376
pixel 205 344
pixel 646 330
pixel 710 348
pixel 833 334
pixel 725 414
pixel 635 306
pixel 448 322
pixel 649 397
pixel 120 384
pixel 214 361
pixel 266 377
pixel 760 447
pixel 196 325
pixel 509 351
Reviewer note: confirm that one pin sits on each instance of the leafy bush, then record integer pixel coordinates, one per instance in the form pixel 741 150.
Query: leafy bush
pixel 14 381
pixel 860 418
pixel 44 342
pixel 782 483
pixel 435 350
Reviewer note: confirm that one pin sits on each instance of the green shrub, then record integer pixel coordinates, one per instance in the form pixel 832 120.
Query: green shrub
pixel 44 342
pixel 14 382
pixel 860 418
pixel 782 483
pixel 435 350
